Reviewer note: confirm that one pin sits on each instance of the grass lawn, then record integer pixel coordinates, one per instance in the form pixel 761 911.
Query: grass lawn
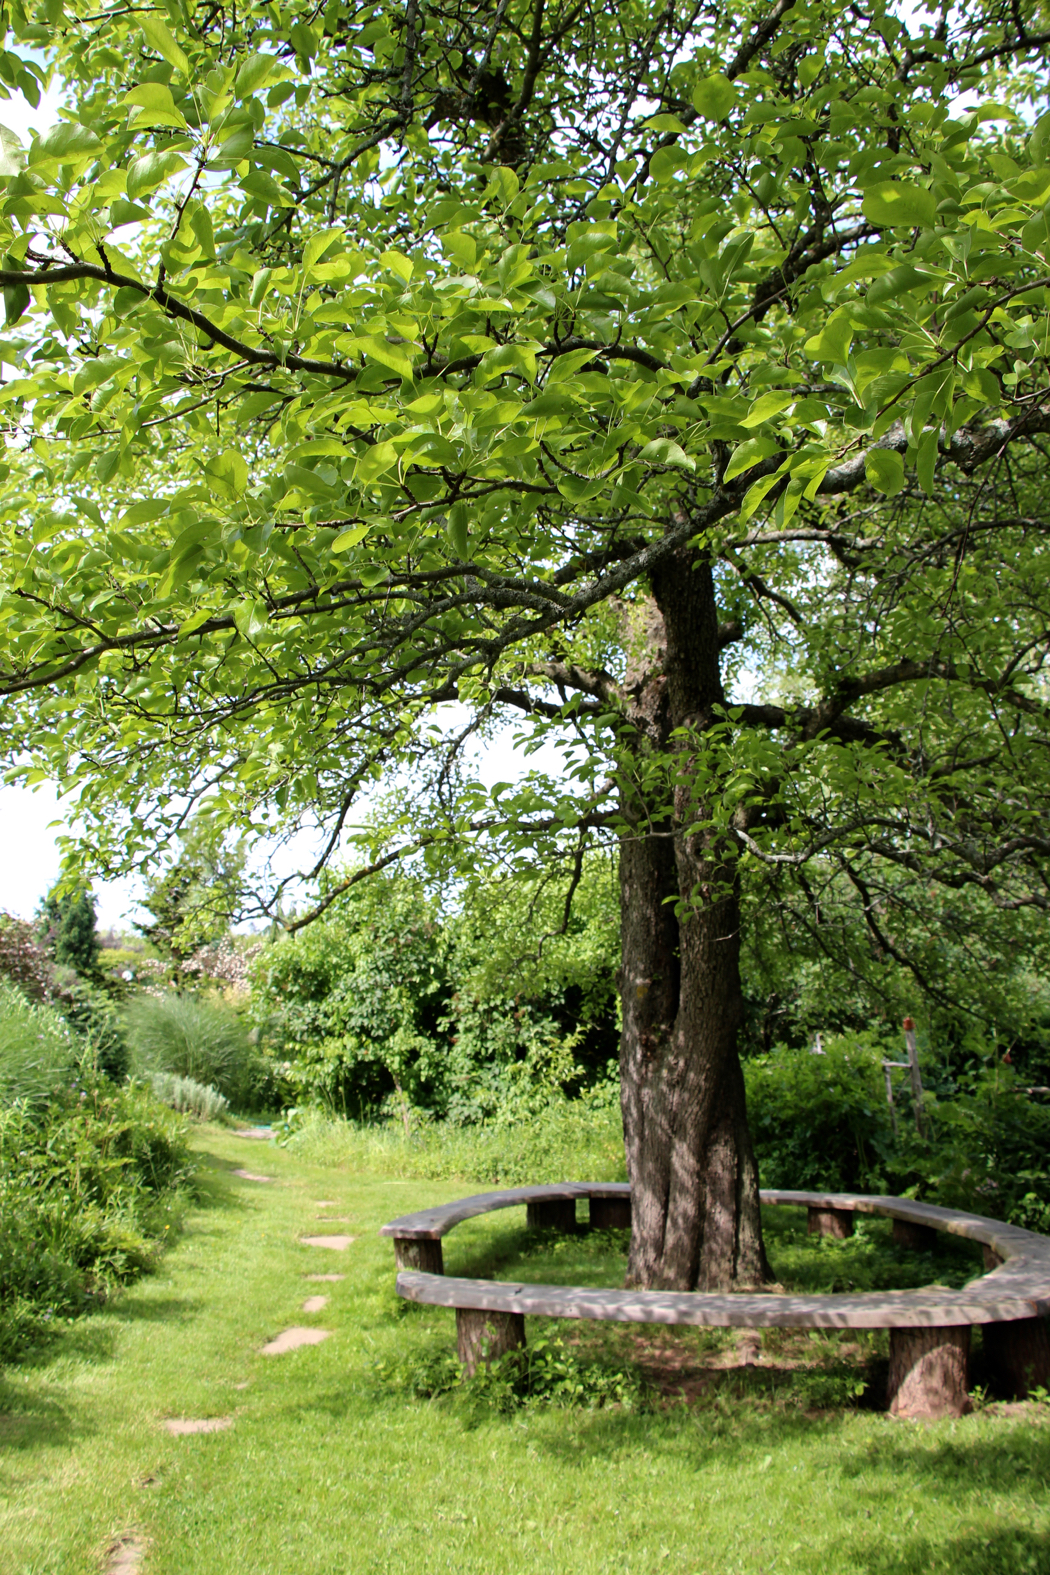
pixel 331 1464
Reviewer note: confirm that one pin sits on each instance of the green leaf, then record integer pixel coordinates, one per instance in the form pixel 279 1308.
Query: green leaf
pixel 16 302
pixel 374 575
pixel 565 367
pixel 458 523
pixel 884 468
pixel 376 462
pixel 349 538
pixel 66 143
pixel 768 405
pixel 509 358
pixel 664 451
pixel 393 356
pixel 251 617
pixel 12 154
pixel 926 463
pixel 1039 142
pixel 153 105
pixel 254 74
pixel 147 173
pixel 148 509
pixel 899 204
pixel 833 342
pixel 317 245
pixel 123 212
pixel 159 38
pixel 228 473
pixel 749 454
pixel 398 263
pixel 714 97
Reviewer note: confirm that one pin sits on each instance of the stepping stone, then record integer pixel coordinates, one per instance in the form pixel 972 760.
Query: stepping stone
pixel 249 1175
pixel 315 1303
pixel 292 1339
pixel 337 1243
pixel 262 1133
pixel 334 1219
pixel 325 1279
pixel 180 1425
pixel 326 1203
pixel 125 1555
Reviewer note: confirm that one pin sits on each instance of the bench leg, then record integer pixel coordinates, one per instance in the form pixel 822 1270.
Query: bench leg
pixel 920 1238
pixel 610 1213
pixel 485 1336
pixel 831 1222
pixel 1019 1355
pixel 551 1214
pixel 928 1369
pixel 991 1258
pixel 424 1255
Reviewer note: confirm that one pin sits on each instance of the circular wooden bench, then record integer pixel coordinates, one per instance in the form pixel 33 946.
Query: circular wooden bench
pixel 929 1329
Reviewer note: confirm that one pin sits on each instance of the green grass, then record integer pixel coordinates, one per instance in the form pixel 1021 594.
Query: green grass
pixel 330 1468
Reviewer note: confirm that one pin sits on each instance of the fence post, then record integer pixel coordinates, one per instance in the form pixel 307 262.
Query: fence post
pixel 916 1076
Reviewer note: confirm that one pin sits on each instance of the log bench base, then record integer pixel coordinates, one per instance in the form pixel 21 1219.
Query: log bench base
pixel 486 1336
pixel 928 1372
pixel 836 1223
pixel 929 1330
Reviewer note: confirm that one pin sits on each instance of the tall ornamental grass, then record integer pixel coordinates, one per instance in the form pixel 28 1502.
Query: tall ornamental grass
pixel 189 1036
pixel 38 1050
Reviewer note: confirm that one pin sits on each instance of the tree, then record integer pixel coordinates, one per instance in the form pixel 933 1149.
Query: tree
pixel 376 358
pixel 66 925
pixel 192 899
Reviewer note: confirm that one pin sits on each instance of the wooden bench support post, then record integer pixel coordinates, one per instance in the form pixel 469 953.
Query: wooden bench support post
pixel 831 1222
pixel 424 1255
pixel 928 1370
pixel 1018 1354
pixel 551 1214
pixel 485 1336
pixel 610 1213
pixel 920 1238
pixel 991 1258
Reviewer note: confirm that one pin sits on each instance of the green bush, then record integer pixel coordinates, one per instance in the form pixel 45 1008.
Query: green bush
pixel 90 1183
pixel 821 1122
pixel 187 1035
pixel 189 1097
pixel 38 1050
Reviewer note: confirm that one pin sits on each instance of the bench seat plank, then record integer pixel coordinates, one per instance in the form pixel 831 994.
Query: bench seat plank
pixel 875 1310
pixel 432 1224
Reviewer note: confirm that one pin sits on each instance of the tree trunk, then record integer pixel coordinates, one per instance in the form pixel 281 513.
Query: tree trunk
pixel 694 1183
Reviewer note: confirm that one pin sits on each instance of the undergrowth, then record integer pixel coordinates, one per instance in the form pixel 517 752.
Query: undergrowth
pixel 92 1182
pixel 569 1139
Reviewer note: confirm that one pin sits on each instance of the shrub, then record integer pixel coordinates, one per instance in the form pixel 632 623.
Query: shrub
pixel 189 1036
pixel 89 1188
pixel 38 1050
pixel 189 1097
pixel 23 959
pixel 821 1121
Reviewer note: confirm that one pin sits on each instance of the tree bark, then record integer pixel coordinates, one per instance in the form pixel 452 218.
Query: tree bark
pixel 694 1184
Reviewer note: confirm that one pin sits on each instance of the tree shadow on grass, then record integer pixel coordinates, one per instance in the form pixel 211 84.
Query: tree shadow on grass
pixel 1004 1550
pixel 1018 1457
pixel 31 1419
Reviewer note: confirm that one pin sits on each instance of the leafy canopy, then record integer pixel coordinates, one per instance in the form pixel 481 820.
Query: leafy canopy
pixel 369 358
